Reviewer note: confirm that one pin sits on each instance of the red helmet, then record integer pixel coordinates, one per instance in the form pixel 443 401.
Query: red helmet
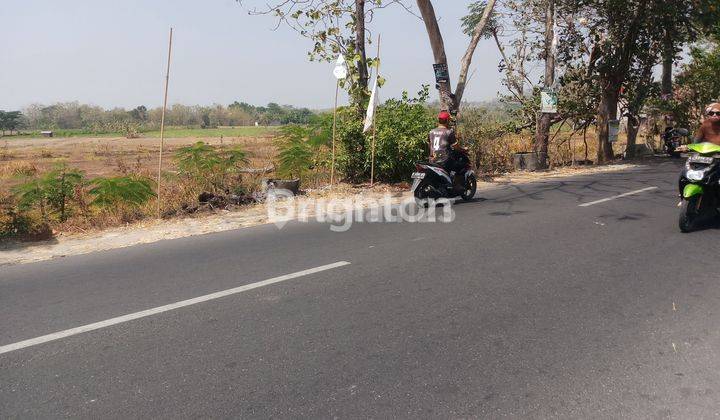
pixel 444 116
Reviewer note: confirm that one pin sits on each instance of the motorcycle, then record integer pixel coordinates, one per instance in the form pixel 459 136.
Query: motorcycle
pixel 672 140
pixel 432 181
pixel 699 186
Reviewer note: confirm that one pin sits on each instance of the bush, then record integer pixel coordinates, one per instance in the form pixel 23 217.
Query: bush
pixel 402 127
pixel 303 150
pixel 49 193
pixel 209 167
pixel 485 137
pixel 350 153
pixel 121 191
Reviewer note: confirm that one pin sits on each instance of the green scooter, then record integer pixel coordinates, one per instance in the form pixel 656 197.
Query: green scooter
pixel 700 187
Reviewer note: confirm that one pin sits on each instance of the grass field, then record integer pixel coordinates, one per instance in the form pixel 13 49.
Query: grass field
pixel 170 132
pixel 109 155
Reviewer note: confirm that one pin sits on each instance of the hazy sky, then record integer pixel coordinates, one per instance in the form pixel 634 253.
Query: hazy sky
pixel 112 53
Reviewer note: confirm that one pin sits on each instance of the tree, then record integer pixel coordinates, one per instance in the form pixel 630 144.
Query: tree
pixel 697 83
pixel 139 114
pixel 335 27
pixel 619 39
pixel 10 120
pixel 451 101
pixel 614 36
pixel 682 22
pixel 542 132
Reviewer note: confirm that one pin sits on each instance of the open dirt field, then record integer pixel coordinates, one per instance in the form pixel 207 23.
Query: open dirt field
pixel 98 156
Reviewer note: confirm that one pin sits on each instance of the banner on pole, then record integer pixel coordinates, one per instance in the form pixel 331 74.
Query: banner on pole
pixel 340 70
pixel 370 116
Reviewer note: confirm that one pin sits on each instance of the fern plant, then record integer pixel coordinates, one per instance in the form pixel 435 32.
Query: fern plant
pixel 50 192
pixel 121 190
pixel 209 166
pixel 295 154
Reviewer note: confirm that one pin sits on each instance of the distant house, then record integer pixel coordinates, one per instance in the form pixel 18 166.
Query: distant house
pixel 46 133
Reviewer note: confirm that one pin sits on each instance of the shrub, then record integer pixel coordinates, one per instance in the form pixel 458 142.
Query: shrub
pixel 485 137
pixel 304 149
pixel 50 192
pixel 209 167
pixel 294 152
pixel 121 191
pixel 402 127
pixel 350 153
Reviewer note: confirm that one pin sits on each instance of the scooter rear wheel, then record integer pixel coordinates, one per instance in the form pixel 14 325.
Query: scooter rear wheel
pixel 470 188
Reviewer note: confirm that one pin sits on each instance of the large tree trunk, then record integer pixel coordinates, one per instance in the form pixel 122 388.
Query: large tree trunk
pixel 668 58
pixel 362 69
pixel 450 101
pixel 542 131
pixel 607 110
pixel 438 48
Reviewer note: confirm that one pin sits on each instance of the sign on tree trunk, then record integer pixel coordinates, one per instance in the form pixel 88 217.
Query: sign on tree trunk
pixel 548 101
pixel 441 73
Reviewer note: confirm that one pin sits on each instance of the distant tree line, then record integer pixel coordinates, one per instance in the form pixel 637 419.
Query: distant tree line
pixel 73 115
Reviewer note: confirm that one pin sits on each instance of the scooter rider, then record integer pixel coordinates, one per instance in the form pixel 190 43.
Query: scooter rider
pixel 709 130
pixel 441 141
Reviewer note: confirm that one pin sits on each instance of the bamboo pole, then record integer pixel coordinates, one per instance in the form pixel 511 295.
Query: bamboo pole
pixel 332 167
pixel 372 152
pixel 162 125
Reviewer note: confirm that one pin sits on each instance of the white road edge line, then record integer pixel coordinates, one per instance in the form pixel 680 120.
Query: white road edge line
pixel 165 308
pixel 618 196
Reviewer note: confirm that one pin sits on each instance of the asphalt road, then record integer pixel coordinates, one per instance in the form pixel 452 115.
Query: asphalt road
pixel 527 305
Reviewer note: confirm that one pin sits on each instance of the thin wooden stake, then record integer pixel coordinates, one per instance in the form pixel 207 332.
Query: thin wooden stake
pixel 372 152
pixel 332 167
pixel 162 125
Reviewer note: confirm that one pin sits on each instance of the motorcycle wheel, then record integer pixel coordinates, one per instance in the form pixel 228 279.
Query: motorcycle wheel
pixel 421 194
pixel 689 214
pixel 470 188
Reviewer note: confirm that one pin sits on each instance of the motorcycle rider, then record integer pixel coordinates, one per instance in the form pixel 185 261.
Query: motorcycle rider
pixel 709 130
pixel 441 141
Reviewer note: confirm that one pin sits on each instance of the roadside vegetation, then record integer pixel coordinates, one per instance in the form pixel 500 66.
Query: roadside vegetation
pixel 603 60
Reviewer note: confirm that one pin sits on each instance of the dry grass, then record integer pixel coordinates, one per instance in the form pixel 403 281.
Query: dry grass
pixel 17 168
pixel 113 156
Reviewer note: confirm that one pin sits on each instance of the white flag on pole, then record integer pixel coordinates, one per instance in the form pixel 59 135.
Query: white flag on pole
pixel 370 116
pixel 340 70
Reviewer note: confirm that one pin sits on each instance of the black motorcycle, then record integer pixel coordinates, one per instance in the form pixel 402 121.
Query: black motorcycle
pixel 699 187
pixel 432 181
pixel 672 139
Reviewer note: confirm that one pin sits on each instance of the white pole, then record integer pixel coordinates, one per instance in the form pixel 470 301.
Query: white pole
pixel 162 123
